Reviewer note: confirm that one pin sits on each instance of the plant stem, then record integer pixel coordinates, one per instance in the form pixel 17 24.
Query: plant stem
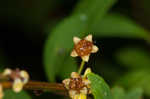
pixel 81 67
pixel 58 88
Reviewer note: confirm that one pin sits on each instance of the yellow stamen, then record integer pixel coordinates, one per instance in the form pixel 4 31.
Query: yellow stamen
pixel 80 96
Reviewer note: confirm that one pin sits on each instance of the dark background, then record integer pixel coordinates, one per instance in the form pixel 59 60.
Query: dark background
pixel 24 26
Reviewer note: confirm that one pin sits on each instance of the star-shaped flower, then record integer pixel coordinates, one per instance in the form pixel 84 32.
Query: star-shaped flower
pixel 78 86
pixel 19 77
pixel 84 47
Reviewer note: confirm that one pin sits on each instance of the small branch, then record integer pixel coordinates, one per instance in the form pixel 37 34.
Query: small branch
pixel 3 78
pixel 81 67
pixel 57 88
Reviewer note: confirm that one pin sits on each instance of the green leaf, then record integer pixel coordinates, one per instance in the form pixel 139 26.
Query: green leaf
pixel 93 10
pixel 133 58
pixel 135 93
pixel 9 94
pixel 59 43
pixel 99 88
pixel 136 79
pixel 116 25
pixel 118 93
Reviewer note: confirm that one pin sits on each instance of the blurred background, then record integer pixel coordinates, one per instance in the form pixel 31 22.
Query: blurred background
pixel 36 35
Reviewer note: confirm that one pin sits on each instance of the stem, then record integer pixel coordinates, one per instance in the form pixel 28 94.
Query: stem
pixel 81 67
pixel 57 88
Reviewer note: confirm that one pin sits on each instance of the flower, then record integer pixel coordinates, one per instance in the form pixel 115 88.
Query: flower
pixel 19 77
pixel 78 86
pixel 84 47
pixel 20 82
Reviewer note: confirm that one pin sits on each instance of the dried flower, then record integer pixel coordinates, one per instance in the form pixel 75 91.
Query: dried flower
pixel 19 78
pixel 1 92
pixel 78 86
pixel 84 47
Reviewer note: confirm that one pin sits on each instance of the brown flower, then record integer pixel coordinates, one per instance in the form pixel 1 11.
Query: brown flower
pixel 78 86
pixel 84 47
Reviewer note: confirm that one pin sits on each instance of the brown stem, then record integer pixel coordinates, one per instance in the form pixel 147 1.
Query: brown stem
pixel 57 88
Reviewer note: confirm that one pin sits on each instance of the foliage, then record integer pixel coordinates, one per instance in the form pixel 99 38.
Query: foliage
pixel 9 94
pixel 127 52
pixel 98 87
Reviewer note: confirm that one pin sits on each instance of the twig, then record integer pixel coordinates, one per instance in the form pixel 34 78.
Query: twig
pixel 57 88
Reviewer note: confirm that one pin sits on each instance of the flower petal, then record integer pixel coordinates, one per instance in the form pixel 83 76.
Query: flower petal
pixel 24 75
pixel 76 40
pixel 75 75
pixel 94 49
pixel 73 54
pixel 66 83
pixel 89 38
pixel 17 85
pixel 7 71
pixel 73 94
pixel 87 82
pixel 84 90
pixel 85 58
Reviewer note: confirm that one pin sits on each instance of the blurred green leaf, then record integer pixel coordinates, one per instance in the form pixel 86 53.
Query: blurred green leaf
pixel 135 93
pixel 133 57
pixel 99 88
pixel 93 10
pixel 118 93
pixel 136 79
pixel 9 94
pixel 59 43
pixel 116 25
